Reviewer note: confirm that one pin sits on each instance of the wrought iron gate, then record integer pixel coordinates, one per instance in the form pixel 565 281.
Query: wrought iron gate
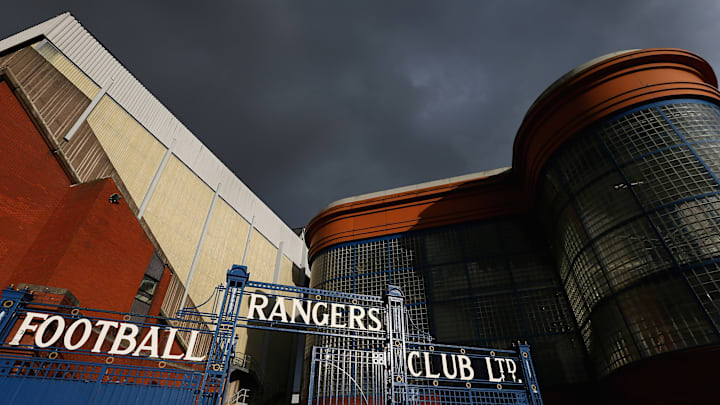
pixel 370 352
pixel 392 373
pixel 70 373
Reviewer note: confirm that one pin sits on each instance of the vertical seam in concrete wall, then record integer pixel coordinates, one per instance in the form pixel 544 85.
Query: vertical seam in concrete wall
pixel 278 263
pixel 247 242
pixel 199 247
pixel 156 179
pixel 88 110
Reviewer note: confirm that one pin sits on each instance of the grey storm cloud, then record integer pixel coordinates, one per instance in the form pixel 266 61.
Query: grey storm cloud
pixel 312 101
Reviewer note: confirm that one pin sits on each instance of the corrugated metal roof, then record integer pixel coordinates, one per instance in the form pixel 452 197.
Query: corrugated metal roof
pixel 78 45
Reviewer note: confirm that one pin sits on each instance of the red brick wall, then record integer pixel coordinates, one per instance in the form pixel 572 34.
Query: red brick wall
pixel 31 182
pixel 59 235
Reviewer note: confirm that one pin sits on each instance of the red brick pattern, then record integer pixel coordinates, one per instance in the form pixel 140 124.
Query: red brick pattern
pixel 56 234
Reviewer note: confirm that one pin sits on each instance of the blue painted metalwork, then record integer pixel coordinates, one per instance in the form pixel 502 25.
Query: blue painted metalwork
pixel 375 375
pixel 389 376
pixel 31 375
pixel 223 347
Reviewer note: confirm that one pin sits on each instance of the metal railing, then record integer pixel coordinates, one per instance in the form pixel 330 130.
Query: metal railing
pixel 249 363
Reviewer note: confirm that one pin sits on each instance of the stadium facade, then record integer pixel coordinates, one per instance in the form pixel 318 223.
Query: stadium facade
pixel 600 246
pixel 78 129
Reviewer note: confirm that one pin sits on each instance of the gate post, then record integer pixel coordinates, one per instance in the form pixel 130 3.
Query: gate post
pixel 11 302
pixel 396 324
pixel 529 375
pixel 223 343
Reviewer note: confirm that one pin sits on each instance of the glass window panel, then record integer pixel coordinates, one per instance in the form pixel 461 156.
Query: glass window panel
pixel 668 176
pixel 489 275
pixel 609 343
pixel 696 122
pixel 570 237
pixel 663 316
pixel 577 302
pixel 372 257
pixel 705 282
pixel 637 134
pixel 442 247
pixel 454 321
pixel 480 240
pixel 546 312
pixel 499 317
pixel 590 278
pixel 563 356
pixel 709 153
pixel 448 282
pixel 532 271
pixel 631 252
pixel 691 229
pixel 405 252
pixel 605 203
pixel 582 161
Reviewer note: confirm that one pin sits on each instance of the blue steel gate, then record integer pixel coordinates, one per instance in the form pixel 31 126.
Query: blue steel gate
pixel 356 371
pixel 32 374
pixel 393 363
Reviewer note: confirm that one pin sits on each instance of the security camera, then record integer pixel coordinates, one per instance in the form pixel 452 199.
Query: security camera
pixel 115 198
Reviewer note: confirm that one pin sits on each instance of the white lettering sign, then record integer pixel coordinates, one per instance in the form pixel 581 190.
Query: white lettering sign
pixel 77 334
pixel 459 366
pixel 334 315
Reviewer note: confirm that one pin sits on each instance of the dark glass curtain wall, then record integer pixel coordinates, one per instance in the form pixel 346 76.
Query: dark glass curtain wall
pixel 632 208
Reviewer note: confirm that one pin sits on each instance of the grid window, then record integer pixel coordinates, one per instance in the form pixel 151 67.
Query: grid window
pixel 577 302
pixel 610 344
pixel 668 176
pixel 412 284
pixel 498 317
pixel 663 317
pixel 339 262
pixel 405 252
pixel 454 321
pixel 637 134
pixel 585 161
pixel 605 203
pixel 566 356
pixel 696 122
pixel 317 270
pixel 442 247
pixel 590 278
pixel 546 312
pixel 631 252
pixel 532 271
pixel 705 281
pixel 691 229
pixel 480 240
pixel 462 283
pixel 709 153
pixel 571 237
pixel 372 284
pixel 448 281
pixel 491 274
pixel 553 197
pixel 627 243
pixel 372 257
pixel 418 317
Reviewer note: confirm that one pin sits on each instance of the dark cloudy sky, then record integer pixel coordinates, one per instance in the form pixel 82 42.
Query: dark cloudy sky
pixel 312 101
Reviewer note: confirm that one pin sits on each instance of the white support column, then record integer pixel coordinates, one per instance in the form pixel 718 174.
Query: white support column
pixel 278 263
pixel 156 178
pixel 199 247
pixel 247 242
pixel 88 110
